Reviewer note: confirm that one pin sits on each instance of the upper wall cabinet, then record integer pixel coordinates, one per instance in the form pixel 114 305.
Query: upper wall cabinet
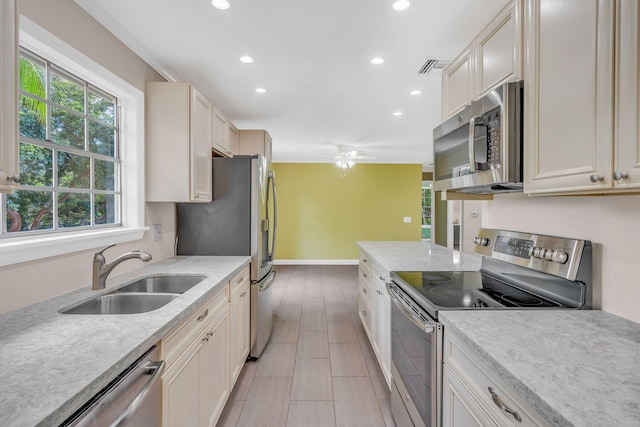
pixel 457 83
pixel 178 143
pixel 223 142
pixel 493 58
pixel 254 142
pixel 498 50
pixel 582 114
pixel 9 167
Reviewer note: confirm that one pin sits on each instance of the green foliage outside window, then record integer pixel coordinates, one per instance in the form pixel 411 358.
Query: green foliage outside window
pixel 68 152
pixel 426 206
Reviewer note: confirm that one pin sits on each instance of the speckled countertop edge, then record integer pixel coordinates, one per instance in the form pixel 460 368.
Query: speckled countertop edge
pixel 418 256
pixel 51 363
pixel 574 368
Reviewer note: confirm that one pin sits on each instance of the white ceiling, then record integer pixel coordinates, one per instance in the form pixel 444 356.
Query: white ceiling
pixel 313 58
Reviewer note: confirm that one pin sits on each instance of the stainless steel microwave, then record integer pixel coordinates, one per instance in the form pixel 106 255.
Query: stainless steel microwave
pixel 479 150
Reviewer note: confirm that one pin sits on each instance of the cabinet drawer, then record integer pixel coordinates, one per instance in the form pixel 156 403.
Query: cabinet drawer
pixel 180 337
pixel 365 290
pixel 364 311
pixel 480 384
pixel 239 282
pixel 366 264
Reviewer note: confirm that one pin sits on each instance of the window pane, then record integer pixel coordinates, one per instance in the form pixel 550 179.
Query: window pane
pixel 102 108
pixel 67 129
pixel 36 165
pixel 73 171
pixel 105 209
pixel 66 92
pixel 33 118
pixel 104 178
pixel 32 78
pixel 29 210
pixel 101 139
pixel 74 210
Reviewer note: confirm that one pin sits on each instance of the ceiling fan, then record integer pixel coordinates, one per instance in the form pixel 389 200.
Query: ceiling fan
pixel 346 155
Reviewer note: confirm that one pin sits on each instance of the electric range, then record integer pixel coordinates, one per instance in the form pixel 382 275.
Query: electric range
pixel 520 271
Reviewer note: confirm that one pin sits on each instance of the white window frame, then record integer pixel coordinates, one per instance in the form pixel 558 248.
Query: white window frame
pixel 15 249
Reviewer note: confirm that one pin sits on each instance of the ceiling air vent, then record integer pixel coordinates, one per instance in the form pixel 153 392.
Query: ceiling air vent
pixel 431 64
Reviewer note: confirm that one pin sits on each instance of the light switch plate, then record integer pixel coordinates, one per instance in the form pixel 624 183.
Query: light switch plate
pixel 157 232
pixel 407 219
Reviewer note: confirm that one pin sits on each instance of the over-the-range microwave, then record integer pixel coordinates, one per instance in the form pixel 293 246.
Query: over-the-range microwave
pixel 479 150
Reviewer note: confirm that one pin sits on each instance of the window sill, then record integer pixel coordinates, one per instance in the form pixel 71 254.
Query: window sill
pixel 16 250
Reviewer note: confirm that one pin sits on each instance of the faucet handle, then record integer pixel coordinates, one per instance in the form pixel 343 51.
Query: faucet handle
pixel 104 249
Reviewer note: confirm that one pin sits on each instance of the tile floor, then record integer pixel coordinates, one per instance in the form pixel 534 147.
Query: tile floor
pixel 318 369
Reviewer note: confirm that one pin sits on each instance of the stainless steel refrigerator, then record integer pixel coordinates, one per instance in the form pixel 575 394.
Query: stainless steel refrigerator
pixel 241 220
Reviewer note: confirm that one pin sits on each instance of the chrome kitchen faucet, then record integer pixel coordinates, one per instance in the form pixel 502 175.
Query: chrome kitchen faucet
pixel 101 269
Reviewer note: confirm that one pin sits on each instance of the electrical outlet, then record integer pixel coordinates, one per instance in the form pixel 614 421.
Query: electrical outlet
pixel 407 219
pixel 157 232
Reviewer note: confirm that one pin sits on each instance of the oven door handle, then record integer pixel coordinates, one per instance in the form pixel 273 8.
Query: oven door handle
pixel 427 327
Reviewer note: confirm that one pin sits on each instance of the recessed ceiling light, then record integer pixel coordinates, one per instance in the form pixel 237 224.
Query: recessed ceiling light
pixel 377 61
pixel 401 5
pixel 416 92
pixel 397 113
pixel 220 4
pixel 261 90
pixel 246 59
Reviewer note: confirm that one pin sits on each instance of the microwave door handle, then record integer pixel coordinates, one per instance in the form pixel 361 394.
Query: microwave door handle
pixel 472 145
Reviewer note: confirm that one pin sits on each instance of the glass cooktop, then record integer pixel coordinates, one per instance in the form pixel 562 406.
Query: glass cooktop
pixel 439 290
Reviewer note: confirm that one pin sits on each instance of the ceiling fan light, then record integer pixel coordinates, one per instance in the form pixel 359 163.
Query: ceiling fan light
pixel 220 4
pixel 401 5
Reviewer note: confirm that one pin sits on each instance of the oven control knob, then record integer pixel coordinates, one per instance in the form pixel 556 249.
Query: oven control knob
pixel 485 241
pixel 537 252
pixel 560 257
pixel 476 240
pixel 548 254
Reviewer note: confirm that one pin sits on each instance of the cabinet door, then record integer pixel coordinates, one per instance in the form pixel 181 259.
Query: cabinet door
pixel 180 394
pixel 240 333
pixel 568 95
pixel 457 84
pixel 459 409
pixel 9 168
pixel 627 148
pixel 200 178
pixel 214 365
pixel 233 139
pixel 498 50
pixel 220 132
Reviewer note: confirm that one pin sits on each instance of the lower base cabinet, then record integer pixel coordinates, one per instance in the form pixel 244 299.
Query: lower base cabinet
pixel 204 357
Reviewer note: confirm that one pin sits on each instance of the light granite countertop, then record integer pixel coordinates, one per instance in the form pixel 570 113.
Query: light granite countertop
pixel 418 256
pixel 51 363
pixel 575 368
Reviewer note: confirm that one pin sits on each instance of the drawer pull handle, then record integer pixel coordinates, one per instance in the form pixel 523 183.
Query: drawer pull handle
pixel 203 315
pixel 500 404
pixel 364 290
pixel 364 275
pixel 240 280
pixel 364 312
pixel 364 259
pixel 382 278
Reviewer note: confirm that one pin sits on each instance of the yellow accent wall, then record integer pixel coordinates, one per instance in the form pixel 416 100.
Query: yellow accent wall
pixel 323 211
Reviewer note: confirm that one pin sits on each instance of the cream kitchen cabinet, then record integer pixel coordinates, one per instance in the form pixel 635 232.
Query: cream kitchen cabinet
pixel 222 134
pixel 254 142
pixel 232 132
pixel 498 50
pixel 9 166
pixel 494 57
pixel 375 311
pixel 240 327
pixel 196 383
pixel 178 143
pixel 457 83
pixel 472 396
pixel 582 123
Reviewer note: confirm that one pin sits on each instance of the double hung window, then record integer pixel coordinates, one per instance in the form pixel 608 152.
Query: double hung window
pixel 69 154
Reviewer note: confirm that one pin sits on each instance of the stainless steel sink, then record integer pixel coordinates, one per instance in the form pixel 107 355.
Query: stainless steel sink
pixel 122 303
pixel 162 284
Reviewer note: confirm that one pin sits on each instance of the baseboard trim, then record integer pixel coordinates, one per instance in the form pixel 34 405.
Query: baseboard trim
pixel 315 262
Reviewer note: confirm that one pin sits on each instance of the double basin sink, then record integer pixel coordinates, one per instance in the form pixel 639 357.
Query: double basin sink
pixel 141 296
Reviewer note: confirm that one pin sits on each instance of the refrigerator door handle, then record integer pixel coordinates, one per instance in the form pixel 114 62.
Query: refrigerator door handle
pixel 272 181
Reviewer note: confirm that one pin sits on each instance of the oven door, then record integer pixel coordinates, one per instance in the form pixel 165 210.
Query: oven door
pixel 416 349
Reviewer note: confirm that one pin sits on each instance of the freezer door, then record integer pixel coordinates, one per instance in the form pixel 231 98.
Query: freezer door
pixel 261 313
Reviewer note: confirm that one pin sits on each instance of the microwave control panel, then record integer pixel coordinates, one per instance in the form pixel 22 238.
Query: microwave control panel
pixel 493 138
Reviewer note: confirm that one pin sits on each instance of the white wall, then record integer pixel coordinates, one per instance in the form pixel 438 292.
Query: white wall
pixel 612 223
pixel 27 283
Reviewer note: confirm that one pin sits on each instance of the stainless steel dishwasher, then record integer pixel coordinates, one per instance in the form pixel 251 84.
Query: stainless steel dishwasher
pixel 131 399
